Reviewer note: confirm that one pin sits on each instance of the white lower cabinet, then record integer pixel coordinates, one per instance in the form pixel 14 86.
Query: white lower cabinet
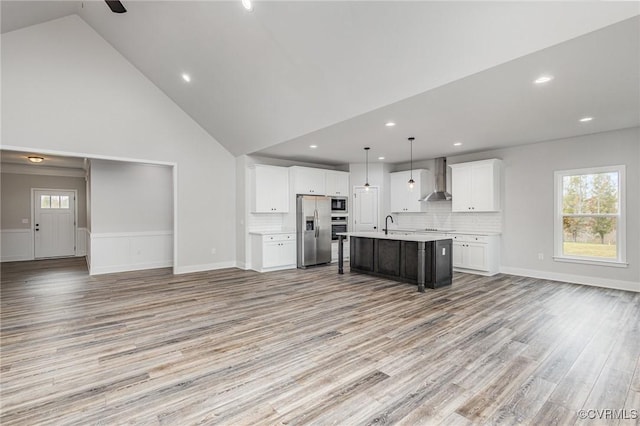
pixel 476 253
pixel 270 252
pixel 334 250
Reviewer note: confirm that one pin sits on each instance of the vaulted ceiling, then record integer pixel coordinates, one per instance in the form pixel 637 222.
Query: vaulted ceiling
pixel 292 74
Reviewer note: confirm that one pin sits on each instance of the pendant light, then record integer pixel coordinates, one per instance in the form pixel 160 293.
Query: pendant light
pixel 411 181
pixel 366 184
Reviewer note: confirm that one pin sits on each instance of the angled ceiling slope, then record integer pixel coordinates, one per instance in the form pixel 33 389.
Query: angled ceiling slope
pixel 593 75
pixel 288 69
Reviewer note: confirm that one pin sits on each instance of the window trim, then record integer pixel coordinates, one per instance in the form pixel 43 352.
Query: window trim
pixel 558 256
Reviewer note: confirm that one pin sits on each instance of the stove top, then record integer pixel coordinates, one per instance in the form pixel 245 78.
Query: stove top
pixel 437 230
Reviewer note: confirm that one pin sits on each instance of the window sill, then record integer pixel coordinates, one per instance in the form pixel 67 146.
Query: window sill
pixel 611 263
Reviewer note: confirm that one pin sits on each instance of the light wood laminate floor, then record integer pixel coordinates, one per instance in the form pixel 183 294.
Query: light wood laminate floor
pixel 310 347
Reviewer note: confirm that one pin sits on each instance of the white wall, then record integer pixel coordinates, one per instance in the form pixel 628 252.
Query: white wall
pixel 67 91
pixel 529 204
pixel 17 202
pixel 132 220
pixel 378 176
pixel 131 197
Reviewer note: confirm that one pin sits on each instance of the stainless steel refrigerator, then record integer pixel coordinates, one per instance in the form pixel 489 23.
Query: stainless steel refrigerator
pixel 313 220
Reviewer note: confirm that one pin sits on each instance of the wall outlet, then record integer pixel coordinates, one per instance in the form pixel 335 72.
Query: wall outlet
pixel 213 251
pixel 540 256
pixel 25 220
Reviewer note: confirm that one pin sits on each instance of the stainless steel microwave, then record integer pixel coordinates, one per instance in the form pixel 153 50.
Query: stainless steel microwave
pixel 339 204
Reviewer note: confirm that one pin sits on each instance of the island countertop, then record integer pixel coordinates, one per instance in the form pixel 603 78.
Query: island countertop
pixel 397 237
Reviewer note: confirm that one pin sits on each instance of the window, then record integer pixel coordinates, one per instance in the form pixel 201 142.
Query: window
pixel 54 201
pixel 590 221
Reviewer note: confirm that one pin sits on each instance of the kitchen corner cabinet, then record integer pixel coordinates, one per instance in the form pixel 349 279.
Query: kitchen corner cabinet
pixel 271 252
pixel 405 200
pixel 270 189
pixel 476 253
pixel 307 180
pixel 337 183
pixel 475 186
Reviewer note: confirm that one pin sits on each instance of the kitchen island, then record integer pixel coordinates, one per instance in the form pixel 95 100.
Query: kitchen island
pixel 424 260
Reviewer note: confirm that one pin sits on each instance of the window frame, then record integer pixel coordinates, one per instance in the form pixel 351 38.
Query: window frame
pixel 558 231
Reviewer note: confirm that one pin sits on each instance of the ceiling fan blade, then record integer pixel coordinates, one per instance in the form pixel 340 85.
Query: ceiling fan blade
pixel 115 6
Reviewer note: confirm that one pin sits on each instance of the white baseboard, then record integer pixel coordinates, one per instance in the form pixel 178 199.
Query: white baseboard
pixel 129 267
pixel 476 272
pixel 275 268
pixel 575 279
pixel 203 268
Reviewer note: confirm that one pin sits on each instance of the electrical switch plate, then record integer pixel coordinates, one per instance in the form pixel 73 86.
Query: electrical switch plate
pixel 25 220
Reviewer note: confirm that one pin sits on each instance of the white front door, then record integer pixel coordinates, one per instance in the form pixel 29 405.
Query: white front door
pixel 54 219
pixel 365 208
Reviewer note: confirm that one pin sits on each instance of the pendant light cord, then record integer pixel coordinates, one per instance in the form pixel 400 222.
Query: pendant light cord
pixel 411 159
pixel 366 150
pixel 411 155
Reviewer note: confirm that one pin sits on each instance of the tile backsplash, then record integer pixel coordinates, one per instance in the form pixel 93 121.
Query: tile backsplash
pixel 265 222
pixel 439 215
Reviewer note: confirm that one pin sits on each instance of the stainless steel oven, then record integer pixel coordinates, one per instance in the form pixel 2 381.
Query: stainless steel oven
pixel 338 224
pixel 338 204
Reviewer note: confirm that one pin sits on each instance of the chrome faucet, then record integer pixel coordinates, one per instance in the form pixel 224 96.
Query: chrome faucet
pixel 386 226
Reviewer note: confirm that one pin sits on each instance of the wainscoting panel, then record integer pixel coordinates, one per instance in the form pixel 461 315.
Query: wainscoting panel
pixel 130 251
pixel 17 244
pixel 82 240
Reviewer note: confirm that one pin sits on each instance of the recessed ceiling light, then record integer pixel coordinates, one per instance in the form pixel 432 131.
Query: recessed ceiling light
pixel 313 146
pixel 186 77
pixel 585 119
pixel 35 159
pixel 457 144
pixel 543 79
pixel 380 158
pixel 390 124
pixel 247 5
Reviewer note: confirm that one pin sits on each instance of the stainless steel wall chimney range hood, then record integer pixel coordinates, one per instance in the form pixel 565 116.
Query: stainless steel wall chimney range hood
pixel 440 193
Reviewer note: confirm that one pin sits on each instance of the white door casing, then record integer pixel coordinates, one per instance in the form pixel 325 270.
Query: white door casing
pixel 54 220
pixel 365 208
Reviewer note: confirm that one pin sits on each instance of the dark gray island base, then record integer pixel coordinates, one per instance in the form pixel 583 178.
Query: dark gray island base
pixel 420 260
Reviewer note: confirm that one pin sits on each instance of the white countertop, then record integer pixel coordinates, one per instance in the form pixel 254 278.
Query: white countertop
pixel 456 232
pixel 285 231
pixel 486 233
pixel 399 237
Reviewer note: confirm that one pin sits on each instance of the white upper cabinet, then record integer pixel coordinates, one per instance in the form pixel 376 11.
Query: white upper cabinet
pixel 337 183
pixel 406 200
pixel 270 189
pixel 307 180
pixel 475 186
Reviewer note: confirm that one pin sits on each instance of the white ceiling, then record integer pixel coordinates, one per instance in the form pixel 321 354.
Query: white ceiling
pixel 20 158
pixel 289 74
